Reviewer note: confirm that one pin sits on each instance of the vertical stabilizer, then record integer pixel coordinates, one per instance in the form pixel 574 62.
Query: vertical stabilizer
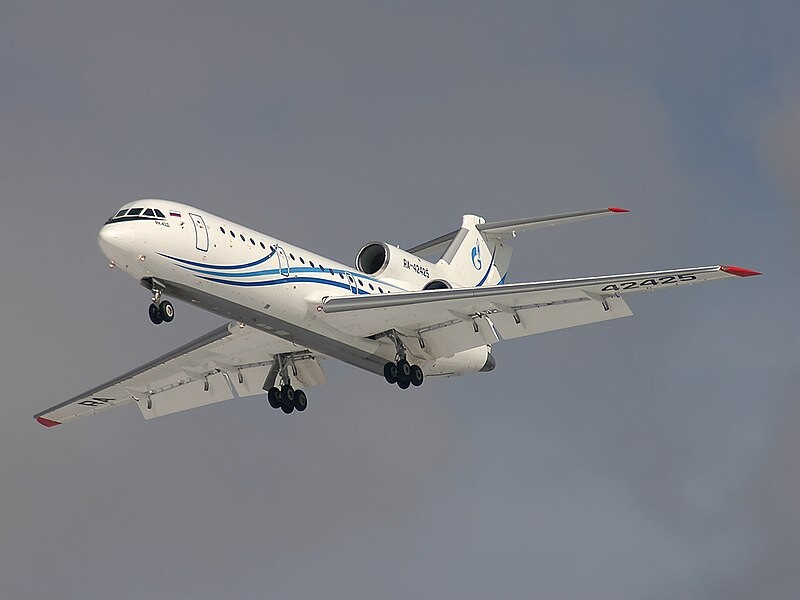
pixel 474 259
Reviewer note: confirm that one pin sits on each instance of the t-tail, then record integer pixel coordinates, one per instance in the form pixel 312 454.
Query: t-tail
pixel 478 254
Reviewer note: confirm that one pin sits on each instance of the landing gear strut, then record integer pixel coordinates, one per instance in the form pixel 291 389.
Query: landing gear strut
pixel 286 397
pixel 160 311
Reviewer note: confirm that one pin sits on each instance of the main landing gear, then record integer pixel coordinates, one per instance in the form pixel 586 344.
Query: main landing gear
pixel 160 311
pixel 401 372
pixel 286 397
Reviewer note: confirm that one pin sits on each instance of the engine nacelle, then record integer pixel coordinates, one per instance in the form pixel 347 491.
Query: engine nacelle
pixel 466 361
pixel 399 267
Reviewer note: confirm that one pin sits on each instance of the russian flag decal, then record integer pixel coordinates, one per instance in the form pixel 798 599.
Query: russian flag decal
pixel 172 213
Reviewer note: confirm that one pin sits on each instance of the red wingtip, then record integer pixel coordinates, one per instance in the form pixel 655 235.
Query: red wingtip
pixel 617 209
pixel 739 271
pixel 47 422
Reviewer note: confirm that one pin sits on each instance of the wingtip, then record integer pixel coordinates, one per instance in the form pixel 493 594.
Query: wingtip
pixel 739 271
pixel 47 422
pixel 617 209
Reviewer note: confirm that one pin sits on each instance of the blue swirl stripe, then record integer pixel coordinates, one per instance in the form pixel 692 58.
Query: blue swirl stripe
pixel 221 267
pixel 283 281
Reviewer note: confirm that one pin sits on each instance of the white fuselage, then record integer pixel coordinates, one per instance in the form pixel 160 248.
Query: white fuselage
pixel 242 274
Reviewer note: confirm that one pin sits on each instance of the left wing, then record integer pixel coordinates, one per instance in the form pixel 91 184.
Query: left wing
pixel 451 320
pixel 230 361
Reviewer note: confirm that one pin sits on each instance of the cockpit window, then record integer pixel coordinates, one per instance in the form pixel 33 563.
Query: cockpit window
pixel 120 213
pixel 159 214
pixel 149 212
pixel 134 211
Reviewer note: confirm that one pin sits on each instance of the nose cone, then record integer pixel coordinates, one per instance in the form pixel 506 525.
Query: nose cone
pixel 115 240
pixel 108 240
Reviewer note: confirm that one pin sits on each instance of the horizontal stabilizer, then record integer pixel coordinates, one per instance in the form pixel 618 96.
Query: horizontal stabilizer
pixel 508 228
pixel 501 229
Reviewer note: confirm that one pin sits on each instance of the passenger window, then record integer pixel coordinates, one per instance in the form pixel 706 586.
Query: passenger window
pixel 372 288
pixel 302 261
pixel 134 211
pixel 252 241
pixel 222 229
pixel 311 262
pixel 380 289
pixel 149 213
pixel 159 214
pixel 241 236
pixel 263 247
pixel 233 235
pixel 291 255
pixel 341 275
pixel 361 283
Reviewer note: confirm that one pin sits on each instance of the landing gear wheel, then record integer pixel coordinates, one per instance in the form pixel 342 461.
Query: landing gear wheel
pixel 390 372
pixel 167 311
pixel 287 394
pixel 287 398
pixel 403 384
pixel 416 376
pixel 403 369
pixel 155 315
pixel 274 397
pixel 300 401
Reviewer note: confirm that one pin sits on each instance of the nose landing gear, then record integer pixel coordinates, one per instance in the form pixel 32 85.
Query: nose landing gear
pixel 160 311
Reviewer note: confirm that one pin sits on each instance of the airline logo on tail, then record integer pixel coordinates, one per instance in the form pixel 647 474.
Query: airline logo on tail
pixel 476 256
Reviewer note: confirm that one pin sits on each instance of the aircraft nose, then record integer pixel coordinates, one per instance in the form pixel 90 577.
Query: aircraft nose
pixel 106 237
pixel 110 240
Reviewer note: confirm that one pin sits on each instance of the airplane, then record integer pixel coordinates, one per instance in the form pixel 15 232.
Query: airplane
pixel 396 314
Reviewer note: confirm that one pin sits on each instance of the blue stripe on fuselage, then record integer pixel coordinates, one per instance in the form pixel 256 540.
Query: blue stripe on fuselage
pixel 284 280
pixel 221 267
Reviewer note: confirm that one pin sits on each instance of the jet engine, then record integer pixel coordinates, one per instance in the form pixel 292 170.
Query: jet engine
pixel 399 267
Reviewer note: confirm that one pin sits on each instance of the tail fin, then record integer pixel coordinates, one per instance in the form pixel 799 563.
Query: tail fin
pixel 474 259
pixel 479 253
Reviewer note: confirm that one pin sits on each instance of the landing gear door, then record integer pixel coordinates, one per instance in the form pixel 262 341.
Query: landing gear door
pixel 283 262
pixel 200 232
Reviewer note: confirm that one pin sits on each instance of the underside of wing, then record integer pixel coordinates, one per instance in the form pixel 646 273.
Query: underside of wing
pixel 448 321
pixel 231 361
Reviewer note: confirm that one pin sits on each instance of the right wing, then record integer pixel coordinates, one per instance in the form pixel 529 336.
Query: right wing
pixel 452 320
pixel 230 361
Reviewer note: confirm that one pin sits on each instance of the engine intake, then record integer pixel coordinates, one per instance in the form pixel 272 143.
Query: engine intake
pixel 373 258
pixel 397 266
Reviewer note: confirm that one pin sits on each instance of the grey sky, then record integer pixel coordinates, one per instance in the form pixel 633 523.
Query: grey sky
pixel 652 457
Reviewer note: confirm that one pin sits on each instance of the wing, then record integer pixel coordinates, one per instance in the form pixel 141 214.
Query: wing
pixel 228 362
pixel 448 321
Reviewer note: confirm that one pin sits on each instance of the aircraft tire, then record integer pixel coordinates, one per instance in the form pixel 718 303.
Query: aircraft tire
pixel 287 394
pixel 403 384
pixel 403 369
pixel 167 311
pixel 274 397
pixel 155 315
pixel 287 408
pixel 300 401
pixel 417 376
pixel 390 372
